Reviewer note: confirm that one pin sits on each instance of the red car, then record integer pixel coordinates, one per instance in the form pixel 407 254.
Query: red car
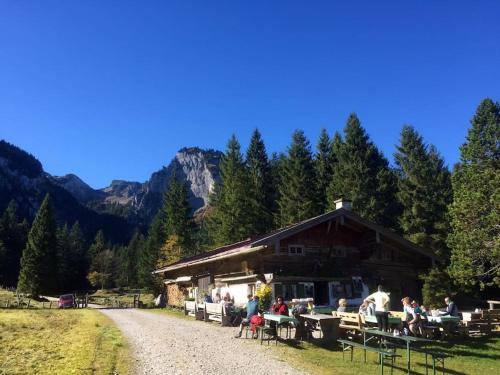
pixel 66 300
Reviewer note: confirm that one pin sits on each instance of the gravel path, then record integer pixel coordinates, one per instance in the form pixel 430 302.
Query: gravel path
pixel 163 344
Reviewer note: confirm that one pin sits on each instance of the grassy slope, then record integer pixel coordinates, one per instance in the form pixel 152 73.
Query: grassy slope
pixel 124 295
pixel 60 342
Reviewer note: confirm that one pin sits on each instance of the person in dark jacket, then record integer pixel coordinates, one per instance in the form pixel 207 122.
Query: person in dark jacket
pixel 451 307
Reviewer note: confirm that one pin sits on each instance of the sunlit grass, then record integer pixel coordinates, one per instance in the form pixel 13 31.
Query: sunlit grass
pixel 60 342
pixel 471 356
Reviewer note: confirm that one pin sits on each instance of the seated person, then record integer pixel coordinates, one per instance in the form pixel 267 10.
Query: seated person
pixel 279 307
pixel 366 308
pixel 252 309
pixel 412 318
pixel 217 298
pixel 229 298
pixel 451 307
pixel 207 298
pixel 342 305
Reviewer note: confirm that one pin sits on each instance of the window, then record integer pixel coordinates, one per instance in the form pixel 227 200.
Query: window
pixel 339 252
pixel 291 291
pixel 295 250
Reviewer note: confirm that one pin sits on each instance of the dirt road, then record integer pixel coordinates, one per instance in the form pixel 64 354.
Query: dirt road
pixel 162 344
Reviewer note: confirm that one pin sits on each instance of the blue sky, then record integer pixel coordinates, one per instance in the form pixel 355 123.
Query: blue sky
pixel 111 89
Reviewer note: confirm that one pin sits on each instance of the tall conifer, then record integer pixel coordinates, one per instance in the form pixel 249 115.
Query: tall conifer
pixel 297 199
pixel 260 185
pixel 362 174
pixel 230 221
pixel 13 234
pixel 475 211
pixel 323 166
pixel 424 192
pixel 38 264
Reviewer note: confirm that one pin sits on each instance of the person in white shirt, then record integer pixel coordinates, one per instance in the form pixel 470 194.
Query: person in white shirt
pixel 381 301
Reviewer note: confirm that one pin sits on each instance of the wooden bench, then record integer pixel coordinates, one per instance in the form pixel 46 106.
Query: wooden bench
pixel 192 308
pixel 383 353
pixel 216 312
pixel 349 321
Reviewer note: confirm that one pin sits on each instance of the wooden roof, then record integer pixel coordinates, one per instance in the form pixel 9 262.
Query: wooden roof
pixel 259 243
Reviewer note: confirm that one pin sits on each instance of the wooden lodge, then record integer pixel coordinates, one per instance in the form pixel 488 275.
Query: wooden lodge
pixel 335 255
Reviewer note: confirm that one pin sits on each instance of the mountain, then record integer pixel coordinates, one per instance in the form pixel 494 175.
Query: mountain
pixel 23 180
pixel 139 202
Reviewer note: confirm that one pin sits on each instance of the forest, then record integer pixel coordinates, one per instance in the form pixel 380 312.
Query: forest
pixel 455 213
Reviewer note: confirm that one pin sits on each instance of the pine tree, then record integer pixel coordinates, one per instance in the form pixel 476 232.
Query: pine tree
pixel 276 165
pixel 474 239
pixel 424 192
pixel 297 199
pixel 230 221
pixel 129 260
pixel 13 235
pixel 177 214
pixel 79 257
pixel 323 166
pixel 65 261
pixel 362 174
pixel 38 263
pixel 150 252
pixel 260 187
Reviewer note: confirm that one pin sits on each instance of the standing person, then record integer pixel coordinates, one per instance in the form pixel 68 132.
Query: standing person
pixel 381 300
pixel 252 309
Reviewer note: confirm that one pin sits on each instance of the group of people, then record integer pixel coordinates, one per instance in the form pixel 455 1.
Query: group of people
pixel 378 304
pixel 253 317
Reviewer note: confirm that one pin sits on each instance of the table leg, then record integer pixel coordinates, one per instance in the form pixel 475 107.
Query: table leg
pixel 408 357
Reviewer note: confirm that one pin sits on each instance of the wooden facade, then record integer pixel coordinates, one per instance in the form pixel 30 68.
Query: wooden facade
pixel 335 255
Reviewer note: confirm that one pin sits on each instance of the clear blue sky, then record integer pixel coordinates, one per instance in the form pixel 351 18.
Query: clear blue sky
pixel 111 89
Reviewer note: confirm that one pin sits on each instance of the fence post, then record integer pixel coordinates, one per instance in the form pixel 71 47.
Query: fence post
pixel 29 301
pixel 50 305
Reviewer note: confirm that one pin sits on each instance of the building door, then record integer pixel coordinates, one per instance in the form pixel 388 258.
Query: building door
pixel 321 293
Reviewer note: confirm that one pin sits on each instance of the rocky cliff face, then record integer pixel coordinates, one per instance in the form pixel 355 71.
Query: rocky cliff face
pixel 23 179
pixel 139 202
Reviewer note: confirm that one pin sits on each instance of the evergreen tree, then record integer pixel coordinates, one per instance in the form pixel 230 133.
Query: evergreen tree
pixel 177 214
pixel 13 235
pixel 260 188
pixel 65 260
pixel 149 255
pixel 323 166
pixel 276 168
pixel 129 260
pixel 474 239
pixel 98 246
pixel 297 199
pixel 362 174
pixel 424 192
pixel 38 263
pixel 79 257
pixel 230 221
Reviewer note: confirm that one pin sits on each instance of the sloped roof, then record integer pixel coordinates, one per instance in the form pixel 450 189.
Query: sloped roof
pixel 258 243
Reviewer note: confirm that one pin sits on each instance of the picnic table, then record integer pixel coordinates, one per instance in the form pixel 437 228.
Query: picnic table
pixel 393 320
pixel 328 324
pixel 369 334
pixel 447 323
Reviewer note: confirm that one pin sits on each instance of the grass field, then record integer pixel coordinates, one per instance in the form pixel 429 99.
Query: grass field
pixel 473 356
pixel 60 342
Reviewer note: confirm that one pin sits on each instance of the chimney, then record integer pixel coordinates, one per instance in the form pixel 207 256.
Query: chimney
pixel 343 203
